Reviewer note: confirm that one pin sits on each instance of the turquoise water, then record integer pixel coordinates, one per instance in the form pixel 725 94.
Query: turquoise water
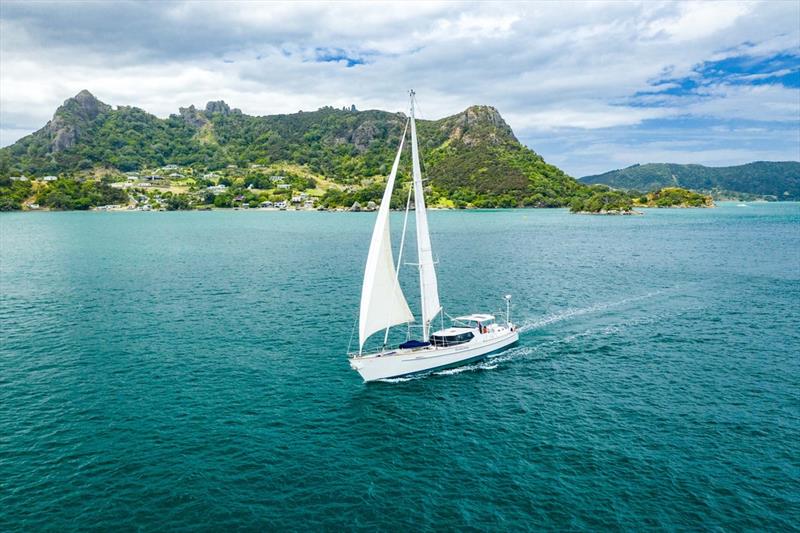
pixel 170 371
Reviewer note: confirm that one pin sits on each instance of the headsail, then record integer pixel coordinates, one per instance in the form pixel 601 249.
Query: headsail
pixel 382 301
pixel 428 285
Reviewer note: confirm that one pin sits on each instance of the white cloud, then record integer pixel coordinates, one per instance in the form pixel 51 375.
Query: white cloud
pixel 547 66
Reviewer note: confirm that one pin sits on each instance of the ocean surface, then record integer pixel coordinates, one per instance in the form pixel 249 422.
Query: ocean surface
pixel 176 371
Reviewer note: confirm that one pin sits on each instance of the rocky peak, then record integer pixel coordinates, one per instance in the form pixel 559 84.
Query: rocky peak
pixel 479 124
pixel 72 119
pixel 83 106
pixel 192 116
pixel 218 106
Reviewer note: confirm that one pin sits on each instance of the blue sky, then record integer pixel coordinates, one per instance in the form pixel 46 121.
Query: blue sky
pixel 591 86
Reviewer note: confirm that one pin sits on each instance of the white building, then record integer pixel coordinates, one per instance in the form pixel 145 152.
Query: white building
pixel 217 189
pixel 49 178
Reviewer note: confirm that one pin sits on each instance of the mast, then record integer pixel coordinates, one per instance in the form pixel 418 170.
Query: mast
pixel 428 286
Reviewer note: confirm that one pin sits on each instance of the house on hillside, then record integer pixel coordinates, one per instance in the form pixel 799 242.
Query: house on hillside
pixel 18 178
pixel 217 189
pixel 50 178
pixel 170 167
pixel 266 204
pixel 284 186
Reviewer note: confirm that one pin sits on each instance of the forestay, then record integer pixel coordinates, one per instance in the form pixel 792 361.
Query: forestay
pixel 382 301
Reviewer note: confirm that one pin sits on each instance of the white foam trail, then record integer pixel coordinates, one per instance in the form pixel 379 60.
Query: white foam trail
pixel 571 313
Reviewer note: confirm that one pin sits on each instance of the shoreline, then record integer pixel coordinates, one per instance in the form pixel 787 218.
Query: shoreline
pixel 347 210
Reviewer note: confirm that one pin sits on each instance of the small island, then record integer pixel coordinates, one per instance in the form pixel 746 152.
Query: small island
pixel 674 197
pixel 605 201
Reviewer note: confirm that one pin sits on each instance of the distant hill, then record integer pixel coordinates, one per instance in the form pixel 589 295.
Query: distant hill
pixel 471 158
pixel 778 180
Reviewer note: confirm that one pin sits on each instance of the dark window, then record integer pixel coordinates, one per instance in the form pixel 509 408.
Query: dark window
pixel 451 340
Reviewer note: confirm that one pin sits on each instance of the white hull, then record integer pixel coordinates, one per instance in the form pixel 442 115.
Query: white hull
pixel 399 363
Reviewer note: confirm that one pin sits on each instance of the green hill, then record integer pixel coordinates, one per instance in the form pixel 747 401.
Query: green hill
pixel 471 159
pixel 774 180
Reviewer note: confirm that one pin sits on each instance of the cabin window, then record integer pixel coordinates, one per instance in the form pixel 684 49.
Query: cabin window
pixel 451 340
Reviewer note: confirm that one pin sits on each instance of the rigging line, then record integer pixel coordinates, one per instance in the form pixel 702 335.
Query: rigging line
pixel 352 332
pixel 402 243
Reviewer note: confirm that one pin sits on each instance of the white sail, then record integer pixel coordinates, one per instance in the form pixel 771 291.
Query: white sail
pixel 428 285
pixel 382 301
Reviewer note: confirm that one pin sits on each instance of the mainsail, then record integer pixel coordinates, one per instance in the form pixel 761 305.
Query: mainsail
pixel 382 301
pixel 428 286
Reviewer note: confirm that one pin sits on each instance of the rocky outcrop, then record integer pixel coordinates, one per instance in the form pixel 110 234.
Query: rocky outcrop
pixel 72 119
pixel 363 135
pixel 479 124
pixel 193 116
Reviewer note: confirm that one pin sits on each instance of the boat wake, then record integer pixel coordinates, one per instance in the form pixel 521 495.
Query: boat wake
pixel 548 348
pixel 568 314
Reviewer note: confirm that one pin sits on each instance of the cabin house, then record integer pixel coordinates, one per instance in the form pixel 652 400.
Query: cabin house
pixel 266 204
pixel 151 177
pixel 49 178
pixel 176 175
pixel 281 204
pixel 309 204
pixel 296 199
pixel 33 206
pixel 169 167
pixel 18 178
pixel 132 177
pixel 284 186
pixel 217 189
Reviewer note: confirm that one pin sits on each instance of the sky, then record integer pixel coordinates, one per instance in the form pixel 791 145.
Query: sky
pixel 590 86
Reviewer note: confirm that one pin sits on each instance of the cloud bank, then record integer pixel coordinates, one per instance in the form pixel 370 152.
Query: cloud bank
pixel 591 86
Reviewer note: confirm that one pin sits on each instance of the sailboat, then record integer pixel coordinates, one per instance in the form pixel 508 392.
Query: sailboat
pixel 469 338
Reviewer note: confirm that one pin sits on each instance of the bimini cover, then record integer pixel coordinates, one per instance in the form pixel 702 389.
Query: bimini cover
pixel 414 344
